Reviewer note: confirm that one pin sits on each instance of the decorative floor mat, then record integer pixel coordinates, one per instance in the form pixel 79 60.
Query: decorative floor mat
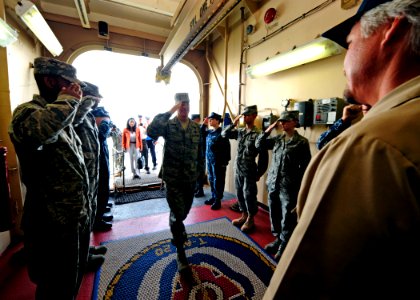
pixel 225 264
pixel 139 196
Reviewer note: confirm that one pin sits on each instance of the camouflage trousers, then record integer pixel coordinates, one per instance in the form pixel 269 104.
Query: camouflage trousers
pixel 180 197
pixel 246 191
pixel 57 260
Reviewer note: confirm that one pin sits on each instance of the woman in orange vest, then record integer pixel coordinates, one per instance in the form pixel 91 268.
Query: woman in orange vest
pixel 132 143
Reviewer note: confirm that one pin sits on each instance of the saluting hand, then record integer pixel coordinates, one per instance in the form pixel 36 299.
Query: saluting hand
pixel 236 120
pixel 73 90
pixel 206 121
pixel 271 127
pixel 175 107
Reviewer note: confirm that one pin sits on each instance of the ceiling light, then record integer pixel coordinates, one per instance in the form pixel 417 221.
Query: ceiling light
pixel 82 11
pixel 317 49
pixel 7 34
pixel 31 16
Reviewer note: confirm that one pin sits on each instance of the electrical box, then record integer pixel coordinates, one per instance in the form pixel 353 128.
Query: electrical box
pixel 327 111
pixel 268 120
pixel 306 112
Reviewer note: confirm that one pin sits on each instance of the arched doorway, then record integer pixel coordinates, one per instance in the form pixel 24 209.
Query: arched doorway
pixel 128 86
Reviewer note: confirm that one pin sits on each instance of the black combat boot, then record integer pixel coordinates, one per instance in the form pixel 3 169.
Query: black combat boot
pixel 216 205
pixel 181 259
pixel 280 251
pixel 273 246
pixel 209 201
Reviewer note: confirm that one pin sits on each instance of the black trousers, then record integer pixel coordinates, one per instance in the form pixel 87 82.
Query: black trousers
pixel 151 146
pixel 145 154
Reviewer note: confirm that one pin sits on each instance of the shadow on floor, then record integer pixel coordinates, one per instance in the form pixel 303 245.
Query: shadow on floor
pixel 155 206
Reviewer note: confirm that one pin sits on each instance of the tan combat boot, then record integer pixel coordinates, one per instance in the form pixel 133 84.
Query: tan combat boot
pixel 241 220
pixel 248 225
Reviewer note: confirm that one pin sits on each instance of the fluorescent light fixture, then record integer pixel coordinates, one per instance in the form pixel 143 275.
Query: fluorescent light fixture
pixel 317 49
pixel 82 11
pixel 7 34
pixel 31 16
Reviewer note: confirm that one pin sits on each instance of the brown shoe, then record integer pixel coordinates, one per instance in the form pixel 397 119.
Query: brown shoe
pixel 248 225
pixel 241 220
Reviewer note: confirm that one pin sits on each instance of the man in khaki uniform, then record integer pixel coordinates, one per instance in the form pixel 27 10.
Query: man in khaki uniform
pixel 358 233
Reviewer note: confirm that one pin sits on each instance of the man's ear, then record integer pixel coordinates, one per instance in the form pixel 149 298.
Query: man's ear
pixel 49 81
pixel 395 29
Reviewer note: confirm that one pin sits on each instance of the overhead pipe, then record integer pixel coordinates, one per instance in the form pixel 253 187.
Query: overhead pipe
pixel 226 66
pixel 241 59
pixel 208 22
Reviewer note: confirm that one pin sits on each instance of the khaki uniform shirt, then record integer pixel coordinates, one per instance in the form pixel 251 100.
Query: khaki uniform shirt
pixel 358 234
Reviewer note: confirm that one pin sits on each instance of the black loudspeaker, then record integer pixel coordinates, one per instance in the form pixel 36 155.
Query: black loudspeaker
pixel 103 30
pixel 306 113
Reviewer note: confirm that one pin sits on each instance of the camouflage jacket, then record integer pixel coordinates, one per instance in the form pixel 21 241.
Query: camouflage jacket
pixel 52 164
pixel 245 162
pixel 116 136
pixel 181 149
pixel 289 159
pixel 85 126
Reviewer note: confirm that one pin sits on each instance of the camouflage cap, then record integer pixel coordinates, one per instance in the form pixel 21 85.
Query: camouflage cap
pixel 182 97
pixel 52 66
pixel 289 115
pixel 250 110
pixel 90 89
pixel 195 116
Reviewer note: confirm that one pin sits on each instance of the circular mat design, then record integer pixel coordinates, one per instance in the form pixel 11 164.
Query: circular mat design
pixel 225 264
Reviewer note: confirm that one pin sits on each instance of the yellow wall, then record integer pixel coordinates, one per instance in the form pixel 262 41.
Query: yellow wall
pixel 317 80
pixel 17 85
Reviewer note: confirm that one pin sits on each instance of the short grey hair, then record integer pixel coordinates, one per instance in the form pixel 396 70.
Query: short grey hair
pixel 382 14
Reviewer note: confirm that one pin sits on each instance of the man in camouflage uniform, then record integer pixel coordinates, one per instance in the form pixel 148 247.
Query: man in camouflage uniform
pixel 291 156
pixel 56 214
pixel 86 129
pixel 247 173
pixel 179 167
pixel 85 126
pixel 118 153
